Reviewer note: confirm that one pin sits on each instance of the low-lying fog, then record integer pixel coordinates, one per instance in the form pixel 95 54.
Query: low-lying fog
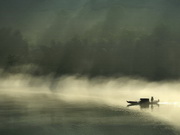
pixel 38 92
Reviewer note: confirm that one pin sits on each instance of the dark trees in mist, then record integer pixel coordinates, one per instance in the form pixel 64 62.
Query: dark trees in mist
pixel 13 48
pixel 154 56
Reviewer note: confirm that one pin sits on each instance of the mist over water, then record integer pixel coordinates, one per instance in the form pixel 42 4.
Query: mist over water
pixel 35 97
pixel 69 66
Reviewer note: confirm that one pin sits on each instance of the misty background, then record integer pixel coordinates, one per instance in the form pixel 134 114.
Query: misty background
pixel 91 37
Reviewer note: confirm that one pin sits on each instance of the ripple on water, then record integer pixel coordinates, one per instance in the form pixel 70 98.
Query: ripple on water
pixel 52 116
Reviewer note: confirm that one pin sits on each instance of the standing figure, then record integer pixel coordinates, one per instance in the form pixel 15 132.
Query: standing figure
pixel 152 99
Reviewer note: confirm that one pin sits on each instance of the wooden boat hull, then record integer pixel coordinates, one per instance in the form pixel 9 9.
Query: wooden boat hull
pixel 154 102
pixel 139 102
pixel 133 102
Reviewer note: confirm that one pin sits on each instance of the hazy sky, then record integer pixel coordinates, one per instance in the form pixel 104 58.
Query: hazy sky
pixel 62 18
pixel 99 36
pixel 32 17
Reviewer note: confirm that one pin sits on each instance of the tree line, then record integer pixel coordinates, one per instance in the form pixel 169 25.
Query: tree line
pixel 154 55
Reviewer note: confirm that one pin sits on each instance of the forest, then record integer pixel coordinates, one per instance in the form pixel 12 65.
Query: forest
pixel 95 38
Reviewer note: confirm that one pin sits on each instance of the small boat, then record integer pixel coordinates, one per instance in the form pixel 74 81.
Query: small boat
pixel 133 102
pixel 143 101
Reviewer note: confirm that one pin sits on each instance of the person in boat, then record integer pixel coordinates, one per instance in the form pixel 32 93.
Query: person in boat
pixel 152 99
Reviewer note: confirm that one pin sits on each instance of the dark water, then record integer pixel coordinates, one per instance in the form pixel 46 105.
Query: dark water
pixel 78 106
pixel 44 115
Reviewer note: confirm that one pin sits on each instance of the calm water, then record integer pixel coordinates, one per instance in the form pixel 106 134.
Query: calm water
pixel 78 106
pixel 42 114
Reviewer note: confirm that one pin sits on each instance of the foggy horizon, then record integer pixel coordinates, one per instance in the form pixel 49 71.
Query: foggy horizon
pixel 91 38
pixel 89 67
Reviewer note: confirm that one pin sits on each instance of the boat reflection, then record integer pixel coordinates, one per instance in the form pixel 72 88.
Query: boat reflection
pixel 144 105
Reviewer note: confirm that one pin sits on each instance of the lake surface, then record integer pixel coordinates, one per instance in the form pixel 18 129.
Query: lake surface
pixel 42 114
pixel 78 106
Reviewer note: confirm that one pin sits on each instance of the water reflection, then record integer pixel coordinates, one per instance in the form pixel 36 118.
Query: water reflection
pixel 81 106
pixel 145 106
pixel 38 115
pixel 164 111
